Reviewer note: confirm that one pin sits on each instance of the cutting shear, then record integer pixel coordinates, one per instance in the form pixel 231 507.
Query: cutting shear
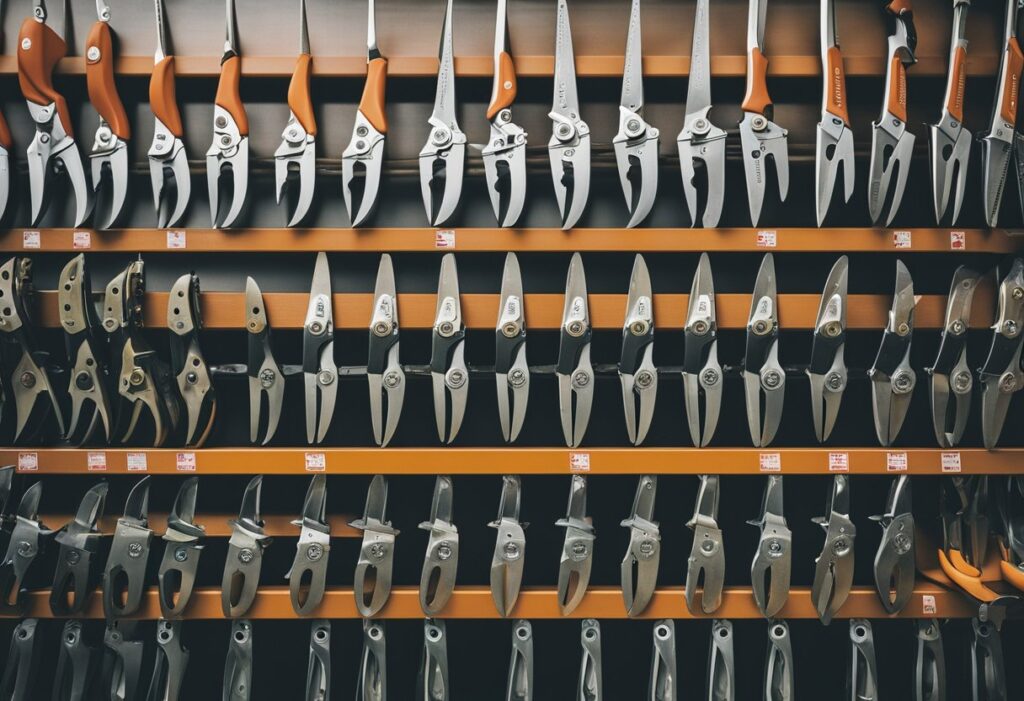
pixel 965 529
pixel 443 158
pixel 894 561
pixel 988 668
pixel 949 144
pixel 183 546
pixel 511 373
pixel 827 371
pixel 574 371
pixel 109 155
pixel 834 143
pixel 124 577
pixel 705 568
pixel 437 581
pixel 773 560
pixel 245 554
pixel 569 146
pixel 27 370
pixel 509 548
pixel 295 158
pixel 520 668
pixel 307 577
pixel 188 365
pixel 27 538
pixel 377 553
pixel 892 378
pixel 930 663
pixel 372 684
pixel 448 372
pixel 1001 375
pixel 892 146
pixel 590 686
pixel 997 144
pixel 833 568
pixel 318 671
pixel 778 669
pixel 577 548
pixel 432 681
pixel 639 568
pixel 760 137
pixel 79 542
pixel 89 384
pixel 702 373
pixel 862 668
pixel 53 149
pixel 319 372
pixel 505 152
pixel 637 374
pixel 170 662
pixel 721 663
pixel 763 376
pixel 701 141
pixel 663 685
pixel 384 374
pixel 365 152
pixel 264 374
pixel 636 143
pixel 951 382
pixel 230 148
pixel 168 162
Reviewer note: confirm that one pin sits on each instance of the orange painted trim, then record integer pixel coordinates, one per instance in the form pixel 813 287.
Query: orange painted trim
pixel 538 603
pixel 1011 575
pixel 216 525
pixel 525 461
pixel 372 104
pixel 163 100
pixel 958 79
pixel 99 79
pixel 896 103
pixel 504 91
pixel 757 99
pixel 300 99
pixel 228 95
pixel 835 86
pixel 1011 83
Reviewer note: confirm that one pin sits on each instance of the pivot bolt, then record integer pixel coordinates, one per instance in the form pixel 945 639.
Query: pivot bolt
pixel 378 551
pixel 517 378
pixel 246 555
pixel 710 377
pixel 135 550
pixel 581 379
pixel 392 380
pixel 511 552
pixel 455 378
pixel 28 380
pixel 644 379
pixel 314 552
pixel 267 378
pixel 181 554
pixel 325 377
pixel 444 550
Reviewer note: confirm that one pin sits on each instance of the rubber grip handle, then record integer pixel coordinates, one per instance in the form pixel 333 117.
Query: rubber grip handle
pixel 300 100
pixel 971 585
pixel 228 95
pixel 835 98
pixel 957 80
pixel 372 102
pixel 36 64
pixel 163 100
pixel 1011 83
pixel 5 134
pixel 896 103
pixel 757 98
pixel 99 78
pixel 504 86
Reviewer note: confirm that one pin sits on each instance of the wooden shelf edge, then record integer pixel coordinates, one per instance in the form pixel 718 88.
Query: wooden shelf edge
pixel 524 461
pixel 599 602
pixel 216 525
pixel 392 240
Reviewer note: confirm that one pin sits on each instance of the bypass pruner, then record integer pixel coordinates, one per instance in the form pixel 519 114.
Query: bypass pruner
pixel 24 542
pixel 773 561
pixel 509 548
pixel 892 377
pixel 245 554
pixel 895 569
pixel 377 553
pixel 834 143
pixel 826 373
pixel 577 548
pixel 307 578
pixel 319 372
pixel 449 375
pixel 702 373
pixel 574 371
pixel 124 578
pixel 384 373
pixel 511 373
pixel 637 374
pixel 79 542
pixel 705 568
pixel 833 568
pixel 295 158
pixel 437 581
pixel 264 374
pixel 188 365
pixel 569 145
pixel 183 545
pixel 949 143
pixel 1001 375
pixel 763 376
pixel 639 568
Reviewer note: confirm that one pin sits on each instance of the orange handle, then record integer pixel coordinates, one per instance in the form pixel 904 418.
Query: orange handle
pixel 1011 575
pixel 958 78
pixel 897 102
pixel 971 585
pixel 1011 83
pixel 835 98
pixel 757 99
pixel 228 96
pixel 163 98
pixel 36 64
pixel 99 78
pixel 898 7
pixel 5 134
pixel 300 100
pixel 372 102
pixel 504 86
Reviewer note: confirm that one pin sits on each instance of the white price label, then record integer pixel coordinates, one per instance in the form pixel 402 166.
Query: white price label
pixel 444 238
pixel 928 607
pixel 896 462
pixel 316 462
pixel 185 462
pixel 951 462
pixel 579 462
pixel 96 462
pixel 30 239
pixel 770 462
pixel 175 239
pixel 28 462
pixel 136 462
pixel 838 462
pixel 957 241
pixel 767 239
pixel 902 239
pixel 81 240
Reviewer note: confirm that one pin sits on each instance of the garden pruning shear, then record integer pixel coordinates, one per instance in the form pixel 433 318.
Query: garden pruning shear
pixel 639 568
pixel 833 568
pixel 951 381
pixel 295 158
pixel 569 146
pixel 384 374
pixel 377 552
pixel 773 561
pixel 637 374
pixel 949 143
pixel 834 143
pixel 763 376
pixel 702 373
pixel 892 377
pixel 1001 375
pixel 264 374
pixel 826 373
pixel 448 372
pixel 511 373
pixel 509 548
pixel 574 371
pixel 577 548
pixel 319 371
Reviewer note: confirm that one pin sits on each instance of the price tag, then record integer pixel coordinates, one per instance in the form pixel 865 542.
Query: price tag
pixel 316 462
pixel 767 239
pixel 579 462
pixel 185 462
pixel 30 239
pixel 896 462
pixel 28 462
pixel 957 241
pixel 175 239
pixel 838 462
pixel 902 239
pixel 444 238
pixel 770 462
pixel 928 607
pixel 96 462
pixel 136 462
pixel 81 240
pixel 951 462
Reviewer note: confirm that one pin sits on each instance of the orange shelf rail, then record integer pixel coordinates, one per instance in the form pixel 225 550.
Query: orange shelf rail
pixel 216 525
pixel 524 461
pixel 928 601
pixel 287 310
pixel 390 240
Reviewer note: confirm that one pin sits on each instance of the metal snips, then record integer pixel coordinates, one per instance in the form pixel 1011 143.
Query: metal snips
pixel 377 553
pixel 24 541
pixel 833 568
pixel 705 568
pixel 894 562
pixel 764 379
pixel 770 572
pixel 384 374
pixel 1001 375
pixel 244 560
pixel 437 580
pixel 295 158
pixel 449 375
pixel 307 577
pixel 834 142
pixel 124 577
pixel 892 377
pixel 511 372
pixel 189 367
pixel 702 373
pixel 637 374
pixel 569 145
pixel 639 568
pixel 183 545
pixel 263 373
pixel 577 548
pixel 509 547
pixel 574 371
pixel 79 542
pixel 826 374
pixel 949 143
pixel 319 371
